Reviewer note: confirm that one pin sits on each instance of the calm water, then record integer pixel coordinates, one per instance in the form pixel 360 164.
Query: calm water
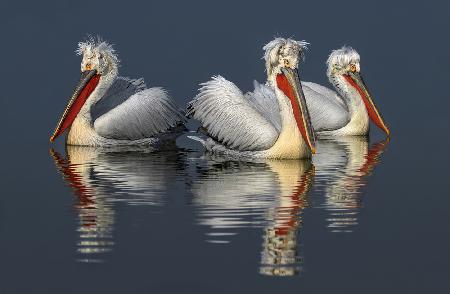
pixel 365 216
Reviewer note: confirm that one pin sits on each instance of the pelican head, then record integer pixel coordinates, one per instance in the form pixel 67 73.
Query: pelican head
pixel 99 62
pixel 282 57
pixel 344 72
pixel 97 55
pixel 343 61
pixel 283 53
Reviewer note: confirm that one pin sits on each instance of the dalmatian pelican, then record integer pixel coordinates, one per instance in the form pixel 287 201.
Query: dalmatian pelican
pixel 241 125
pixel 347 111
pixel 106 109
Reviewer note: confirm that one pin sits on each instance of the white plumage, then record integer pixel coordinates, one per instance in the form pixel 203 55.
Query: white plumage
pixel 143 115
pixel 224 119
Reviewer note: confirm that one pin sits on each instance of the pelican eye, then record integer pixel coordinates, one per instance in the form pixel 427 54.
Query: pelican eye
pixel 352 67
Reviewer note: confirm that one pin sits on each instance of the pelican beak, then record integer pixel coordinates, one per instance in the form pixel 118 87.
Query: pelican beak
pixel 289 83
pixel 357 81
pixel 88 81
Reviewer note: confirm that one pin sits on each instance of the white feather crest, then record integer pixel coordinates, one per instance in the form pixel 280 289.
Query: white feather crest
pixel 97 44
pixel 343 57
pixel 278 42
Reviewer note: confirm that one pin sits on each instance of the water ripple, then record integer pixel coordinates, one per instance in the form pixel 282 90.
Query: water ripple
pixel 270 196
pixel 101 179
pixel 227 196
pixel 343 165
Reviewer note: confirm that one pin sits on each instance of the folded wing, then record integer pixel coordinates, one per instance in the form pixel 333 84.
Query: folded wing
pixel 327 110
pixel 130 112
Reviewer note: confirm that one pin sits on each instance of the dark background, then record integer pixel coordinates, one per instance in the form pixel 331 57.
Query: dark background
pixel 403 244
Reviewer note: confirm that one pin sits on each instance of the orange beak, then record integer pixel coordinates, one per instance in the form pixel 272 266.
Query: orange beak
pixel 356 80
pixel 289 82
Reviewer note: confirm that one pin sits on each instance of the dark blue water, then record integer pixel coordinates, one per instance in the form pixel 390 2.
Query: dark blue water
pixel 365 216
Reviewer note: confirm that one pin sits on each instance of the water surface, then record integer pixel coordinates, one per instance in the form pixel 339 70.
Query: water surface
pixel 365 216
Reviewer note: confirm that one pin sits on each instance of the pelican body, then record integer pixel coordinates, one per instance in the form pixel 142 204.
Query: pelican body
pixel 106 109
pixel 241 125
pixel 345 112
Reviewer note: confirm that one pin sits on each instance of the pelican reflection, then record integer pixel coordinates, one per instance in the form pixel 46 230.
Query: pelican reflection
pixel 103 179
pixel 269 195
pixel 342 168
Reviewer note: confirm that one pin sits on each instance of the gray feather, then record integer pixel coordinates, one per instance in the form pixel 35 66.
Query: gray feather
pixel 121 89
pixel 324 91
pixel 128 111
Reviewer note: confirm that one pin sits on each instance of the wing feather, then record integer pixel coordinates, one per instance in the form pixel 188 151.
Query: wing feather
pixel 121 89
pixel 326 92
pixel 326 111
pixel 144 114
pixel 231 118
pixel 265 101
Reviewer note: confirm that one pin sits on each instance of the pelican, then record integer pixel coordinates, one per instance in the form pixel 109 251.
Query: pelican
pixel 241 125
pixel 108 110
pixel 342 113
pixel 346 112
